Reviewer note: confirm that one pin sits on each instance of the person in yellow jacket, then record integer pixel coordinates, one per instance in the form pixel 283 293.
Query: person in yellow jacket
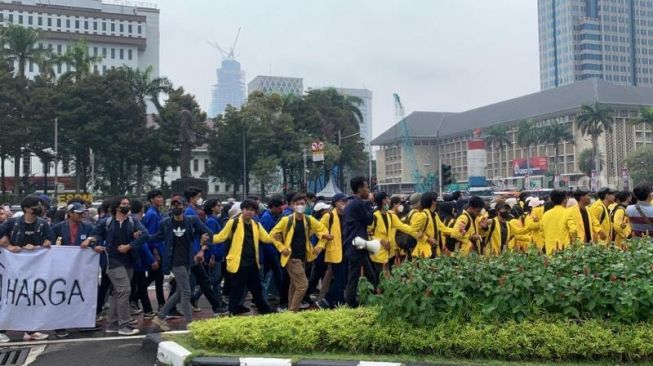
pixel 466 231
pixel 601 211
pixel 535 215
pixel 242 236
pixel 588 229
pixel 428 223
pixel 447 213
pixel 384 228
pixel 500 230
pixel 621 229
pixel 332 292
pixel 295 231
pixel 557 226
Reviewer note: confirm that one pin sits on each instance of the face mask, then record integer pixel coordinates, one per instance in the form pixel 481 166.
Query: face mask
pixel 37 211
pixel 199 202
pixel 124 209
pixel 177 211
pixel 400 209
pixel 300 209
pixel 504 214
pixel 386 207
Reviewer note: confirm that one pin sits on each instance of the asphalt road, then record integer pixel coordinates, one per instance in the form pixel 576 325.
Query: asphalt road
pixel 118 352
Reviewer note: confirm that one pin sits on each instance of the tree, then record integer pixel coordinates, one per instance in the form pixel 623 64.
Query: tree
pixel 497 135
pixel 556 134
pixel 593 121
pixel 80 60
pixel 586 162
pixel 645 117
pixel 147 88
pixel 640 164
pixel 527 136
pixel 226 148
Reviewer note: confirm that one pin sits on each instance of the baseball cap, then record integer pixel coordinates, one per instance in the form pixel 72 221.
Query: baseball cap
pixel 76 207
pixel 339 197
pixel 415 199
pixel 45 199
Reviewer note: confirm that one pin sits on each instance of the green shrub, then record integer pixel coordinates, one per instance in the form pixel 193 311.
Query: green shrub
pixel 361 331
pixel 584 282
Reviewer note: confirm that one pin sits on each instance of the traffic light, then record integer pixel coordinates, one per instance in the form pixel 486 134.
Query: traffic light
pixel 446 174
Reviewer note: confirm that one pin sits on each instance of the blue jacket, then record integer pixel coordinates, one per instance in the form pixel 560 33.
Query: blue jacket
pixel 15 230
pixel 62 229
pixel 269 221
pixel 151 221
pixel 103 233
pixel 217 251
pixel 194 228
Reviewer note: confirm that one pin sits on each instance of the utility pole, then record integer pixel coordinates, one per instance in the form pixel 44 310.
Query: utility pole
pixel 244 168
pixel 305 182
pixel 56 158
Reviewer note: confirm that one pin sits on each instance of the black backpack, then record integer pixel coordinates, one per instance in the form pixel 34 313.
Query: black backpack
pixel 404 241
pixel 451 243
pixel 234 226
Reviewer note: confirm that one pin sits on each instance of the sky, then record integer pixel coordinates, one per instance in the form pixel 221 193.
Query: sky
pixel 438 55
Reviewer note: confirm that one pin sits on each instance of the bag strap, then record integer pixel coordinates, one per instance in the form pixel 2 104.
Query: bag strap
pixel 603 214
pixel 641 213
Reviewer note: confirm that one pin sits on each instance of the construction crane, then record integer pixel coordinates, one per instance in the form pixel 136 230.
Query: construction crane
pixel 422 184
pixel 227 55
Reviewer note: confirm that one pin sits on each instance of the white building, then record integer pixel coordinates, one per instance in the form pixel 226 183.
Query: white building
pixel 276 84
pixel 121 32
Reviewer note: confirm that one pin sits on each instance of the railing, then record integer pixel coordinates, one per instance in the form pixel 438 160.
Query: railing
pixel 136 4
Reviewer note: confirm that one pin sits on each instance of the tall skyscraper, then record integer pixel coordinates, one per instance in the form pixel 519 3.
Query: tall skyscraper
pixel 596 39
pixel 366 110
pixel 276 84
pixel 120 32
pixel 230 89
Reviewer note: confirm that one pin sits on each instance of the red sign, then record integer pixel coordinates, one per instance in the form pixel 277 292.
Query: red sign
pixel 538 166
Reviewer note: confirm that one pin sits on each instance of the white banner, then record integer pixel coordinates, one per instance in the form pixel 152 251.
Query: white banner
pixel 46 289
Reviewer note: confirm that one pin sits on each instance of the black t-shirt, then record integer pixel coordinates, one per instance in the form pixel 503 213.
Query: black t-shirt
pixel 504 234
pixel 121 235
pixel 248 255
pixel 298 244
pixel 29 236
pixel 180 244
pixel 586 225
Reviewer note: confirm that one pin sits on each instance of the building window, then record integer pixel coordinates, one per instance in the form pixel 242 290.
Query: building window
pixel 129 29
pixel 113 27
pixel 67 23
pixel 40 21
pixel 139 29
pixel 86 24
pixel 104 69
pixel 58 68
pixel 104 52
pixel 94 51
pixel 49 22
pixel 104 27
pixel 129 54
pixel 29 20
pixel 122 54
pixel 58 22
pixel 94 26
pixel 122 28
pixel 20 19
pixel 59 49
pixel 76 24
pixel 95 69
pixel 113 53
pixel 196 165
pixel 2 17
pixel 206 165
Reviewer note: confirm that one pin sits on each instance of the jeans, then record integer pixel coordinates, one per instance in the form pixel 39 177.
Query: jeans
pixel 336 293
pixel 157 278
pixel 272 268
pixel 119 312
pixel 247 277
pixel 318 270
pixel 203 280
pixel 214 277
pixel 354 264
pixel 182 274
pixel 139 291
pixel 103 288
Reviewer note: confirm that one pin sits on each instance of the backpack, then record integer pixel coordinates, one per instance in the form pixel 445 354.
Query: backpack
pixel 290 224
pixel 404 241
pixel 37 229
pixel 612 213
pixel 451 243
pixel 234 226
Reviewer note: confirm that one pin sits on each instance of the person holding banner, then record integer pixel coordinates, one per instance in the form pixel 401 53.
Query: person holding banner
pixel 123 236
pixel 27 232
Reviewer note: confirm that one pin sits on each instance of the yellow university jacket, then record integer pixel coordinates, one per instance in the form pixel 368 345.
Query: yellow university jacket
pixel 287 230
pixel 427 222
pixel 236 249
pixel 493 233
pixel 557 226
pixel 332 248
pixel 620 233
pixel 463 229
pixel 602 214
pixel 595 228
pixel 379 231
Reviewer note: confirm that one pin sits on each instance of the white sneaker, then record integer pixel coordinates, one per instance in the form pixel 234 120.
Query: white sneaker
pixel 4 338
pixel 37 336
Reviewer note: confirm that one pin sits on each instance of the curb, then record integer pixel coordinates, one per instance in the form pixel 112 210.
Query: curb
pixel 171 353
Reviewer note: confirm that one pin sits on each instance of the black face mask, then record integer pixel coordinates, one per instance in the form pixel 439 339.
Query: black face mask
pixel 37 211
pixel 124 209
pixel 505 214
pixel 177 211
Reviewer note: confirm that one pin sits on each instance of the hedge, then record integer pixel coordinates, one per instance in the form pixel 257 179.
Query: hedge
pixel 361 331
pixel 583 282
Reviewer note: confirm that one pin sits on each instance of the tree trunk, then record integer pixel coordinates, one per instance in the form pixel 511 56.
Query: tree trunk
pixel 3 187
pixel 139 179
pixel 162 175
pixel 17 155
pixel 595 152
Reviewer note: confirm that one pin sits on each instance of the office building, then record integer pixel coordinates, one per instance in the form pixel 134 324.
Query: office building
pixel 230 89
pixel 276 85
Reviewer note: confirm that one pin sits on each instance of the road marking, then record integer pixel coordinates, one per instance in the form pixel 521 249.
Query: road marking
pixel 34 353
pixel 83 340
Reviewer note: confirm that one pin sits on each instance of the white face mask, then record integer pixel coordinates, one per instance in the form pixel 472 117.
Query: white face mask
pixel 300 209
pixel 199 202
pixel 400 209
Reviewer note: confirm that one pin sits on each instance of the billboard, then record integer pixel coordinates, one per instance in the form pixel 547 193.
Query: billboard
pixel 476 162
pixel 538 166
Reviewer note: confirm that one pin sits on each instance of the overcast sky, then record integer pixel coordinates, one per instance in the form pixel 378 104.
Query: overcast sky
pixel 438 55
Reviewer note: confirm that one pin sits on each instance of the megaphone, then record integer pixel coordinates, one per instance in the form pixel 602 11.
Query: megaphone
pixel 372 246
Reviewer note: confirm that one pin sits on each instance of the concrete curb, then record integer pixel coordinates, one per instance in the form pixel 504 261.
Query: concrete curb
pixel 171 353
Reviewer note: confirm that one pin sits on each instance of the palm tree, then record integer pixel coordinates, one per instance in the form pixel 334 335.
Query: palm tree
pixel 555 134
pixel 20 47
pixel 80 60
pixel 527 136
pixel 145 87
pixel 593 121
pixel 645 117
pixel 497 135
